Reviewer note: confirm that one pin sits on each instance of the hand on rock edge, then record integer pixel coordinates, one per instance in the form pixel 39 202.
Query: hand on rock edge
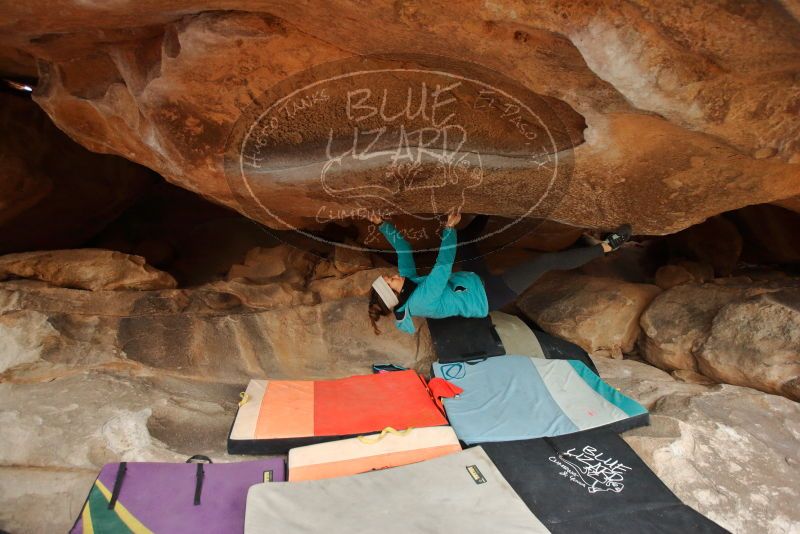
pixel 453 219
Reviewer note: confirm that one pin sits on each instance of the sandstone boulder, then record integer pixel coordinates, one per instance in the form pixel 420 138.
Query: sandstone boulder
pixel 599 314
pixel 107 417
pixel 691 377
pixel 728 452
pixel 25 492
pixel 351 258
pixel 24 336
pixel 264 265
pixel 679 319
pixel 683 272
pixel 325 269
pixel 59 431
pixel 672 275
pixel 741 332
pixel 90 269
pixel 755 342
pixel 358 284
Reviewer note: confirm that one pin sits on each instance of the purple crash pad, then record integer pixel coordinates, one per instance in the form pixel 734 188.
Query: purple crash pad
pixel 161 497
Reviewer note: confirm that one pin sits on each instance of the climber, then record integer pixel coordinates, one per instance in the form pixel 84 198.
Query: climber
pixel 472 292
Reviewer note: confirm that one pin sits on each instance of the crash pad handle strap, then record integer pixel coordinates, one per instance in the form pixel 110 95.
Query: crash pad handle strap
pixel 121 470
pixel 200 458
pixel 370 440
pixel 198 485
pixel 453 371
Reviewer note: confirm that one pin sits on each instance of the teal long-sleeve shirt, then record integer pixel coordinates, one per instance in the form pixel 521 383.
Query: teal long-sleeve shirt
pixel 441 293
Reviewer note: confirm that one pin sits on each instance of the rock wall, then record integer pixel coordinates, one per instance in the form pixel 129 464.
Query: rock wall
pixel 90 269
pixel 737 333
pixel 675 112
pixel 729 452
pixel 299 321
pixel 601 315
pixel 734 330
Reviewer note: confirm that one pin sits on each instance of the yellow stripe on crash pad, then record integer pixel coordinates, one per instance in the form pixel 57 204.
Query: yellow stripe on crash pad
pixel 86 515
pixel 130 521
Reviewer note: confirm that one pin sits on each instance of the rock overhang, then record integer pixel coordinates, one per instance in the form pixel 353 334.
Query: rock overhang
pixel 165 88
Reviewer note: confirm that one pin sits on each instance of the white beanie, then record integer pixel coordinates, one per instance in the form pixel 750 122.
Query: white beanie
pixel 385 292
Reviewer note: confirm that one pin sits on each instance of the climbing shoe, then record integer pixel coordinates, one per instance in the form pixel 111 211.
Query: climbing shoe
pixel 619 236
pixel 590 240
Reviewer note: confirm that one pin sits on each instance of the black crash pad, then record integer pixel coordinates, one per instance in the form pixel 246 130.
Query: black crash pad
pixel 592 481
pixel 555 348
pixel 459 339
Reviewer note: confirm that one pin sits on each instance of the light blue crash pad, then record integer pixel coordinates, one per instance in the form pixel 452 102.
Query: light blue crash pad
pixel 510 398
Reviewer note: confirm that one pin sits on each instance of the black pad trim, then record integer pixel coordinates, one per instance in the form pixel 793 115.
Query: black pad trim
pixel 278 446
pixel 458 339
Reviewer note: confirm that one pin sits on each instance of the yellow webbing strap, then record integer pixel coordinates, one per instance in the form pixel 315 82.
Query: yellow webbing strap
pixel 370 440
pixel 244 397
